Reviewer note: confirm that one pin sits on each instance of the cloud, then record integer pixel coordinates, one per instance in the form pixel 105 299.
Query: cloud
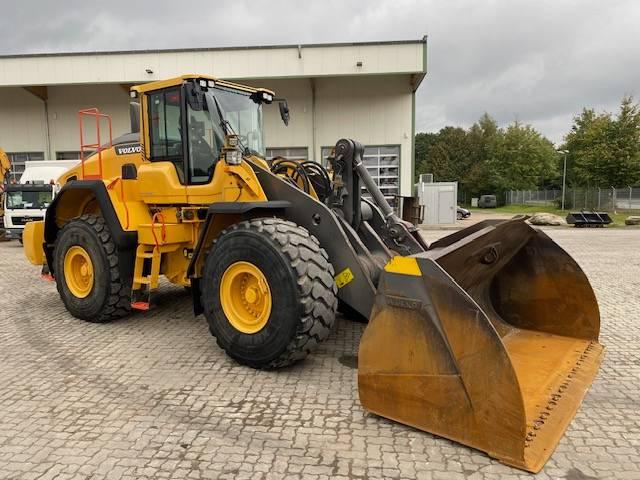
pixel 539 61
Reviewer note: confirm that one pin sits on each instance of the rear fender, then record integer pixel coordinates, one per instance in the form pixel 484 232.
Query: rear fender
pixel 88 196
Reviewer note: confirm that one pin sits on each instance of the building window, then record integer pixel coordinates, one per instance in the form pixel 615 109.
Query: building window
pixel 18 160
pixel 290 153
pixel 70 155
pixel 383 164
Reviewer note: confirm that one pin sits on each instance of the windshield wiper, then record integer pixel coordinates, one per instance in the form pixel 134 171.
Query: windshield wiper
pixel 225 124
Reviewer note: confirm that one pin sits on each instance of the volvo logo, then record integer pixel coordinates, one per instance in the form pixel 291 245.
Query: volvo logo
pixel 128 149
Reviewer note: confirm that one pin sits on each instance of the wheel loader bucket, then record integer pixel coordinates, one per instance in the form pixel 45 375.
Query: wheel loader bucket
pixel 490 338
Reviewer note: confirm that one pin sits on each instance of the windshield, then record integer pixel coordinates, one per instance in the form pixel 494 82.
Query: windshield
pixel 206 131
pixel 245 117
pixel 29 199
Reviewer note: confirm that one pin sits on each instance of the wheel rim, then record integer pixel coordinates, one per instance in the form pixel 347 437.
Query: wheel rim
pixel 245 297
pixel 78 271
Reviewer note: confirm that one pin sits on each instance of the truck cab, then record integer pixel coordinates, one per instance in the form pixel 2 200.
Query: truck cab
pixel 28 200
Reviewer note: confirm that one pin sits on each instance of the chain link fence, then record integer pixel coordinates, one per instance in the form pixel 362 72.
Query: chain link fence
pixel 606 199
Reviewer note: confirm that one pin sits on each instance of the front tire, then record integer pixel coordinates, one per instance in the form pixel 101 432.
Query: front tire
pixel 86 269
pixel 268 292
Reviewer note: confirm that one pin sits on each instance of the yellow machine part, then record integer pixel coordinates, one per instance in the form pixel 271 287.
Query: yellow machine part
pixel 32 240
pixel 493 345
pixel 78 271
pixel 245 297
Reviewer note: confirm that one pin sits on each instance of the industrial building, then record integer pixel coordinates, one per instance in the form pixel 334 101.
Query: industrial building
pixel 364 91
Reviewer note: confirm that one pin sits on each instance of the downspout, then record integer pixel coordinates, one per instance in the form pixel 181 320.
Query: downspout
pixel 313 120
pixel 47 133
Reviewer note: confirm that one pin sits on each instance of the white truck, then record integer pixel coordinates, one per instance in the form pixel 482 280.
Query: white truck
pixel 28 200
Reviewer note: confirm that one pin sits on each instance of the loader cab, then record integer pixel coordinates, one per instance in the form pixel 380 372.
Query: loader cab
pixel 186 124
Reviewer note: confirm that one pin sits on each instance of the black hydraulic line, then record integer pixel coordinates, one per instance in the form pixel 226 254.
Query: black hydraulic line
pixel 281 166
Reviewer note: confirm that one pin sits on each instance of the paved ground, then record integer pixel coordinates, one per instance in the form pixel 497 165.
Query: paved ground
pixel 153 397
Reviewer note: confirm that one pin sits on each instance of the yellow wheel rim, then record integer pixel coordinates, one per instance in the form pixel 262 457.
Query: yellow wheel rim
pixel 245 297
pixel 78 271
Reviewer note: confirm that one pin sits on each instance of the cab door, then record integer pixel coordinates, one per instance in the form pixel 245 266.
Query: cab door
pixel 163 179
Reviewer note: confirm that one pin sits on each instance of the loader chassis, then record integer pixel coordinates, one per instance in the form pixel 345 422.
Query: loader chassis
pixel 488 336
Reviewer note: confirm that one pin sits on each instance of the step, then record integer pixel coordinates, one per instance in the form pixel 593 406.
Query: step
pixel 144 306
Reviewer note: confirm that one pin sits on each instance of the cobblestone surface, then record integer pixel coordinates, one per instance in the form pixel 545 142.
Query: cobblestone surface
pixel 152 396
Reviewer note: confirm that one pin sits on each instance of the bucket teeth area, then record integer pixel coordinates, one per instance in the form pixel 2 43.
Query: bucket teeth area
pixel 550 408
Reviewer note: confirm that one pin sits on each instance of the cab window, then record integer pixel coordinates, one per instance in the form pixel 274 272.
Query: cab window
pixel 165 128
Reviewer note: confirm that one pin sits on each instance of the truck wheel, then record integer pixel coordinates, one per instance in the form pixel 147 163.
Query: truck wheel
pixel 86 270
pixel 268 292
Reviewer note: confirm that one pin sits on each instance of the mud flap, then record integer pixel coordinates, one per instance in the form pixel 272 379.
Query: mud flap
pixel 489 339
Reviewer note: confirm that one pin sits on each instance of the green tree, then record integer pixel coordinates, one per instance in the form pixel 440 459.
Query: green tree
pixel 484 137
pixel 605 150
pixel 422 143
pixel 488 159
pixel 522 159
pixel 448 155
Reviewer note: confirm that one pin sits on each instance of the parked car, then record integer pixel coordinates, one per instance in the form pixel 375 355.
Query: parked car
pixel 462 213
pixel 488 201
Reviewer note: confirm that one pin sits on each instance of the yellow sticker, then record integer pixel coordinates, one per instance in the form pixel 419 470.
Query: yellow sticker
pixel 344 277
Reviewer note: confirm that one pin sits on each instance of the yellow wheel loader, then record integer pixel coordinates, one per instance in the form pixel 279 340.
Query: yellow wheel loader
pixel 488 337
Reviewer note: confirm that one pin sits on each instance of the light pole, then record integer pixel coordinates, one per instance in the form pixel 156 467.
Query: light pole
pixel 564 173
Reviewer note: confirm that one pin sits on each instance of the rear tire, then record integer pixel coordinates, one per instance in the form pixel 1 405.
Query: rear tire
pixel 301 289
pixel 109 297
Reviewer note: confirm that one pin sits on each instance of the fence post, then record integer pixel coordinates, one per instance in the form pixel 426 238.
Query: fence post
pixel 573 205
pixel 613 198
pixel 630 194
pixel 598 198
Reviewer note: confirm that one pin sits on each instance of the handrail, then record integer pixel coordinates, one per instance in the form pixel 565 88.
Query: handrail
pixel 93 112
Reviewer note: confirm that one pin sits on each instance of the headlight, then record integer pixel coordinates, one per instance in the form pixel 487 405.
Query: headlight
pixel 233 157
pixel 267 97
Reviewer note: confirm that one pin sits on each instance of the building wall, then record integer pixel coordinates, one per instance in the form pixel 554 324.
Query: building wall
pixel 375 110
pixel 234 63
pixel 64 103
pixel 22 121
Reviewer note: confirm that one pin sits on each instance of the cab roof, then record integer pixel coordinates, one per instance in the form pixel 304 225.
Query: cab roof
pixel 170 82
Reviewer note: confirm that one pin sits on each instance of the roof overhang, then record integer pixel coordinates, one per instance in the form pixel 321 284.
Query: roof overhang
pixel 238 63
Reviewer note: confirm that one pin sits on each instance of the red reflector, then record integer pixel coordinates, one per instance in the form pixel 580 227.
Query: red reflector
pixel 48 277
pixel 173 98
pixel 144 306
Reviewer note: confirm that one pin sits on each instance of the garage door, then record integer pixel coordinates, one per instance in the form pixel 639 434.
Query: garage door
pixel 290 153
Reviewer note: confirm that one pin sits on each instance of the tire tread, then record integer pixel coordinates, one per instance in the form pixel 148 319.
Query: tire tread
pixel 118 302
pixel 316 288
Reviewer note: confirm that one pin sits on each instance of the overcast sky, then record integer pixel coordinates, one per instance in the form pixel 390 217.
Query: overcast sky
pixel 537 61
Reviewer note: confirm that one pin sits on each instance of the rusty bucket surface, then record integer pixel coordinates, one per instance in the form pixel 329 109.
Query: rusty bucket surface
pixel 490 338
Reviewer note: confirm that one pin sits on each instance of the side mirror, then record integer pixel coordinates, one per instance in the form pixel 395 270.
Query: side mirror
pixel 195 96
pixel 284 111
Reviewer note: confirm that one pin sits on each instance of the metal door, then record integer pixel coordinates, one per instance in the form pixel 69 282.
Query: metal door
pixel 446 212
